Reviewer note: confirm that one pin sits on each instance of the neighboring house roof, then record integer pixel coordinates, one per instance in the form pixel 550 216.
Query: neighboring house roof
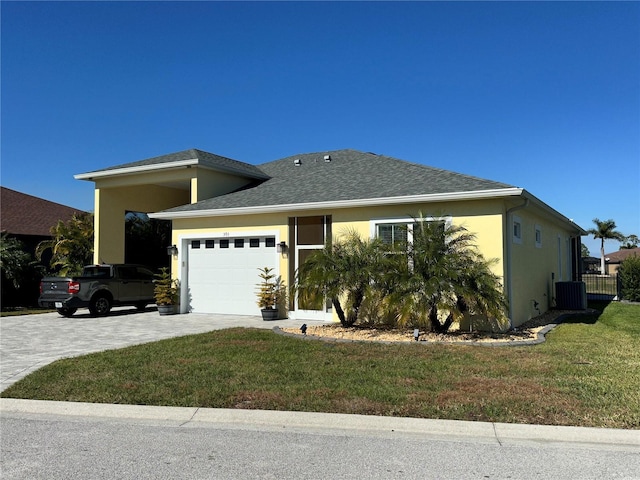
pixel 22 214
pixel 346 176
pixel 621 255
pixel 179 159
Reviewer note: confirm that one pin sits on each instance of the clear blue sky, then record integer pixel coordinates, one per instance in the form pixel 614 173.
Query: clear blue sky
pixel 544 96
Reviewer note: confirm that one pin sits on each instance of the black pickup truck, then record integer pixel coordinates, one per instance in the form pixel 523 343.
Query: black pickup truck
pixel 100 287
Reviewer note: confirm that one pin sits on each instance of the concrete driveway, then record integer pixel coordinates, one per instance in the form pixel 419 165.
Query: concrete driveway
pixel 29 342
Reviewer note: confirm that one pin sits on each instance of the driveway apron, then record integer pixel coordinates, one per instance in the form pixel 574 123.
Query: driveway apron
pixel 29 342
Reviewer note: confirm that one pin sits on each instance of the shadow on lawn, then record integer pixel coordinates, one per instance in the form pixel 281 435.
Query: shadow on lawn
pixel 591 316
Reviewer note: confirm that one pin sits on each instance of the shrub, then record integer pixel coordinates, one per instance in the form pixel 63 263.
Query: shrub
pixel 166 290
pixel 629 274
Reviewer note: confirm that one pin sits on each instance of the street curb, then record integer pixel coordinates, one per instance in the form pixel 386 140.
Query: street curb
pixel 500 433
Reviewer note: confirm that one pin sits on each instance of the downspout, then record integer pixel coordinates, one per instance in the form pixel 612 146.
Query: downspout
pixel 509 242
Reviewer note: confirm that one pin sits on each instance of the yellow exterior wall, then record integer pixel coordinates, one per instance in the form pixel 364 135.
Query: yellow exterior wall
pixel 483 218
pixel 111 205
pixel 230 226
pixel 534 270
pixel 209 184
pixel 149 192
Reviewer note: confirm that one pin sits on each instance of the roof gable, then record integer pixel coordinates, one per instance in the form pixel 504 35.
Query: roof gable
pixel 24 214
pixel 346 175
pixel 186 157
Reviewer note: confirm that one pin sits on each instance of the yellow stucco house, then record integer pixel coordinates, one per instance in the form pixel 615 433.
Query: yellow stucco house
pixel 230 218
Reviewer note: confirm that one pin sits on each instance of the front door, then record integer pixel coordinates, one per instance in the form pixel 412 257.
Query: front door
pixel 310 235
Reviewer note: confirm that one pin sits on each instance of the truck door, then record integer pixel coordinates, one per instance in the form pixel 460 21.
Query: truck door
pixel 128 284
pixel 146 283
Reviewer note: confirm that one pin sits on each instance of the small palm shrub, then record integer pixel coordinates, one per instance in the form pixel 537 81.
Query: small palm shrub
pixel 344 272
pixel 431 282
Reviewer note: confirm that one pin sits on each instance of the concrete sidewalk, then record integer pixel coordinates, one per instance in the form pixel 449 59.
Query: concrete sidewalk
pixel 29 342
pixel 191 417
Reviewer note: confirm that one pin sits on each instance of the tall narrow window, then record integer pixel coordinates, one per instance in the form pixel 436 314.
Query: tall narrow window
pixel 517 230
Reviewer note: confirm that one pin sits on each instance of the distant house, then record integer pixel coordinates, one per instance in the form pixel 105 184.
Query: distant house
pixel 614 259
pixel 28 219
pixel 590 265
pixel 230 218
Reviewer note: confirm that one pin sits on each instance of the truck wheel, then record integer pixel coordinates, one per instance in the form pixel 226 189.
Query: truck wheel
pixel 100 306
pixel 66 311
pixel 140 306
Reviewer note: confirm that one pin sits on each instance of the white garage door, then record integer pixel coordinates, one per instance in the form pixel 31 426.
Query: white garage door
pixel 223 273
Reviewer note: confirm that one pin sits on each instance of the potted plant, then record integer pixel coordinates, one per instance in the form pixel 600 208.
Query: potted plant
pixel 271 292
pixel 165 292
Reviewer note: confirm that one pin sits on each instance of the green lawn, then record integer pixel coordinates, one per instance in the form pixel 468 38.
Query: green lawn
pixel 587 373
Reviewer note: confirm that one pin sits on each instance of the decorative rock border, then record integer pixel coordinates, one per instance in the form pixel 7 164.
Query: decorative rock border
pixel 539 338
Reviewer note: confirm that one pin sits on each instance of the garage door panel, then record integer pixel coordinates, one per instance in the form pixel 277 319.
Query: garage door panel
pixel 223 280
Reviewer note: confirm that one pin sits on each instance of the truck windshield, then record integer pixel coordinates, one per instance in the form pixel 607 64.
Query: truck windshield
pixel 96 272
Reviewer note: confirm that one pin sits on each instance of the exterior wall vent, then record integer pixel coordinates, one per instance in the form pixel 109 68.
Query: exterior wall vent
pixel 297 162
pixel 327 158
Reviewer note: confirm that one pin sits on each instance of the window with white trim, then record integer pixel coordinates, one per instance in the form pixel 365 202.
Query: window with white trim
pixel 538 234
pixel 393 233
pixel 398 231
pixel 517 229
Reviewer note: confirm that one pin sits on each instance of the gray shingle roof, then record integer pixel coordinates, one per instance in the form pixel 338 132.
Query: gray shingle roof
pixel 350 175
pixel 205 159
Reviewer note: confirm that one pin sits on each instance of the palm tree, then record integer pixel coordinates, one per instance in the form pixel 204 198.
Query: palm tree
pixel 630 242
pixel 605 230
pixel 343 272
pixel 72 244
pixel 444 277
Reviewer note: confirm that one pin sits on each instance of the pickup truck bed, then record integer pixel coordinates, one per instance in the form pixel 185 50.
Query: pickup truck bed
pixel 99 288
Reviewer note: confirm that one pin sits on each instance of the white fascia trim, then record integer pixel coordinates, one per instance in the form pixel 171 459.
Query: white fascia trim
pixel 556 214
pixel 365 202
pixel 137 169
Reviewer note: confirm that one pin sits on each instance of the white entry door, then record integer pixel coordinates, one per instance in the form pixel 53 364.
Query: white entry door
pixel 223 273
pixel 310 235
